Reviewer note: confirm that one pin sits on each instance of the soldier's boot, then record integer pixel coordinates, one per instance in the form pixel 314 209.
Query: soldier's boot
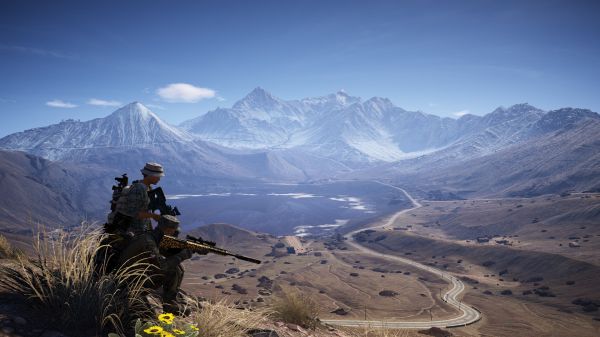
pixel 172 297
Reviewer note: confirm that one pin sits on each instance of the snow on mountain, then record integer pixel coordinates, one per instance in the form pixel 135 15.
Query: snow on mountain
pixel 263 136
pixel 563 119
pixel 257 121
pixel 133 125
pixel 345 128
pixel 133 135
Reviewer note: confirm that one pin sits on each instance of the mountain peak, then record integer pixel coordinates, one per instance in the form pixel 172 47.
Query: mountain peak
pixel 514 112
pixel 134 109
pixel 257 98
pixel 259 93
pixel 343 98
pixel 515 109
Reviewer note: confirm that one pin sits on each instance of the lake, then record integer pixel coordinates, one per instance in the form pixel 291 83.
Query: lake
pixel 285 209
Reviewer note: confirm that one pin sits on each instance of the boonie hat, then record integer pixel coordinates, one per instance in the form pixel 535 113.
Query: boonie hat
pixel 153 169
pixel 168 221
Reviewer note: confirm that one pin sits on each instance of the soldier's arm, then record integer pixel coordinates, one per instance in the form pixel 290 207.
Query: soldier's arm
pixel 148 215
pixel 142 200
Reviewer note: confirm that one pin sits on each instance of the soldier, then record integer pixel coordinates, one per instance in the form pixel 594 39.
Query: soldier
pixel 130 216
pixel 167 270
pixel 132 206
pixel 143 242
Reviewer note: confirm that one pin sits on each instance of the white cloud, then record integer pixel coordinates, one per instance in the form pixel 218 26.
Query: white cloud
pixel 101 102
pixel 184 93
pixel 221 99
pixel 461 113
pixel 57 103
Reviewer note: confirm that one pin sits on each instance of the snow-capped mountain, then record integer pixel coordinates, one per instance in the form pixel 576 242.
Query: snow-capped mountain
pixel 559 151
pixel 264 137
pixel 133 125
pixel 133 135
pixel 352 131
pixel 262 121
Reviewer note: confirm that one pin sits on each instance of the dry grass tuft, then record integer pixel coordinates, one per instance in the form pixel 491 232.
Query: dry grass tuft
pixel 61 282
pixel 7 251
pixel 220 319
pixel 296 308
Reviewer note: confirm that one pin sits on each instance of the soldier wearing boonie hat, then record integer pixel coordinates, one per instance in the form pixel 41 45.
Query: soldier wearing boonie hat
pixel 171 268
pixel 134 200
pixel 167 271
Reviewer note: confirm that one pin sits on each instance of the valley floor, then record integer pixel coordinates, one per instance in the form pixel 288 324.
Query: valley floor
pixel 523 279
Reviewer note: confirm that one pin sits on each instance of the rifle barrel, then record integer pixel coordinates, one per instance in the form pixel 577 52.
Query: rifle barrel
pixel 173 242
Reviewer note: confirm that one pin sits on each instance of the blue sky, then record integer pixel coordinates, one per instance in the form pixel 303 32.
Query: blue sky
pixel 81 59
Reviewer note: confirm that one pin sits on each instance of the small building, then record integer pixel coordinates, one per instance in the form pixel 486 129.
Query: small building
pixel 483 239
pixel 574 244
pixel 291 250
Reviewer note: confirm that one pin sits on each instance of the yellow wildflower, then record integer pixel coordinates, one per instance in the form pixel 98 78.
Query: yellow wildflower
pixel 179 332
pixel 193 327
pixel 166 334
pixel 154 330
pixel 166 318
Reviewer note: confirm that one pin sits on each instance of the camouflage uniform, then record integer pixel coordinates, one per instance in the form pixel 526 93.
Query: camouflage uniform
pixel 134 199
pixel 167 270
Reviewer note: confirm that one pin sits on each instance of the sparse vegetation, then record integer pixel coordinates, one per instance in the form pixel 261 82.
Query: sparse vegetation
pixel 488 263
pixel 61 282
pixel 297 308
pixel 587 304
pixel 534 279
pixel 340 311
pixel 388 293
pixel 239 289
pixel 7 251
pixel 544 292
pixel 219 319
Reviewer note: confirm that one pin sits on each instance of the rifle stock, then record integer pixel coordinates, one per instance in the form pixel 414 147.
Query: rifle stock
pixel 201 248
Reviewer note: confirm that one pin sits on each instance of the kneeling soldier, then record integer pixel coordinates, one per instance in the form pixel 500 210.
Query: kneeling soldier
pixel 167 270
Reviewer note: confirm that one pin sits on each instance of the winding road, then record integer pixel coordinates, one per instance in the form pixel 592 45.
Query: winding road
pixel 468 314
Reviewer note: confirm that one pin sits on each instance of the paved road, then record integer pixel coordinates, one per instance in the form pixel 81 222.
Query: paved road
pixel 467 315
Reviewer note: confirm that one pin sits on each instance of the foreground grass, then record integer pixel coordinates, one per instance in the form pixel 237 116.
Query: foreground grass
pixel 219 319
pixel 7 251
pixel 61 283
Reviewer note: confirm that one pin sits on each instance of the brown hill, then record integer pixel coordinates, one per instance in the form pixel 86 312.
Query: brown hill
pixel 35 191
pixel 514 269
pixel 51 193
